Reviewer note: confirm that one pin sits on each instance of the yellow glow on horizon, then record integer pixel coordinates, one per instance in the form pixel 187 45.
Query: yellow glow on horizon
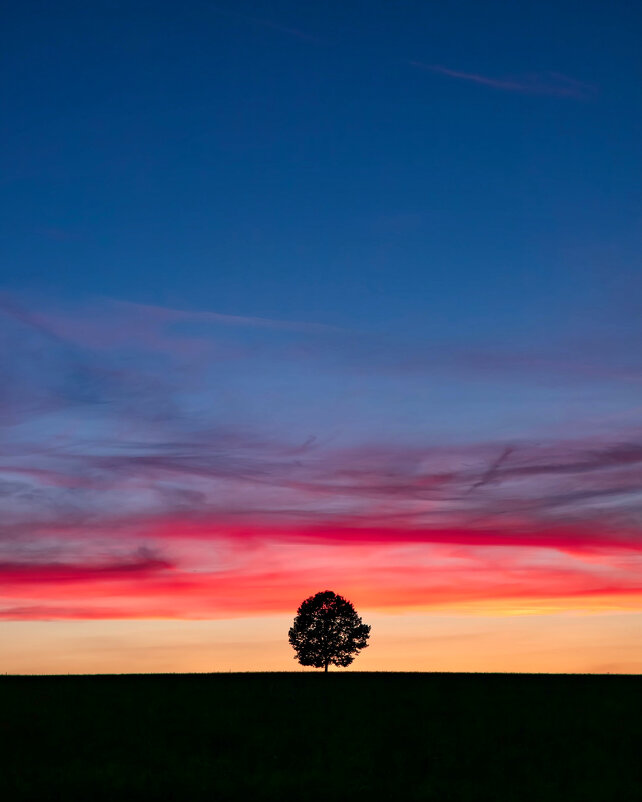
pixel 562 642
pixel 585 605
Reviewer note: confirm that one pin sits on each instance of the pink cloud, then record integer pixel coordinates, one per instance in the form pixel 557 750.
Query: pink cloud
pixel 118 452
pixel 16 573
pixel 547 83
pixel 274 577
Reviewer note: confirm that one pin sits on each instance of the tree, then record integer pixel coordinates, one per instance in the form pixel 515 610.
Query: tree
pixel 327 630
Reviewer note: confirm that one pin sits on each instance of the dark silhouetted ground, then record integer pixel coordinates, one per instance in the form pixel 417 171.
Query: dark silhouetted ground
pixel 332 737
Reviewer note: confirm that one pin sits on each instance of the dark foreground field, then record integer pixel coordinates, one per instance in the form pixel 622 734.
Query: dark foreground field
pixel 321 737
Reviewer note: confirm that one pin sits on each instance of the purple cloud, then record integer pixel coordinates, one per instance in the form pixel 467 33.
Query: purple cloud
pixel 543 83
pixel 101 438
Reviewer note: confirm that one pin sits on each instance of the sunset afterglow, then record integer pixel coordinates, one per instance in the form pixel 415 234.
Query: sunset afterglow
pixel 320 302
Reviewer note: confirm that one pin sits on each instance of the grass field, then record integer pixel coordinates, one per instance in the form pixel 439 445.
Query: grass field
pixel 305 736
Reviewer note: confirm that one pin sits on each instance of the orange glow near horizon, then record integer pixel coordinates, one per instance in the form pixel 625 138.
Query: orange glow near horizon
pixel 228 576
pixel 224 604
pixel 566 642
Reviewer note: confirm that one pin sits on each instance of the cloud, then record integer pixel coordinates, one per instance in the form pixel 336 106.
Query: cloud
pixel 268 579
pixel 228 474
pixel 139 358
pixel 159 462
pixel 52 612
pixel 108 324
pixel 144 563
pixel 545 83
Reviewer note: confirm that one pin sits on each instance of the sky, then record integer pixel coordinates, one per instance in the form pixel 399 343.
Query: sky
pixel 297 296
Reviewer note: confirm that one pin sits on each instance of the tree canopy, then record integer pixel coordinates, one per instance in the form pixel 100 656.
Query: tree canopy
pixel 327 631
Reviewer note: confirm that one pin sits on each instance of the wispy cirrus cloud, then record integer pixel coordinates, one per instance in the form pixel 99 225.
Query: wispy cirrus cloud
pixel 160 462
pixel 542 83
pixel 107 343
pixel 39 573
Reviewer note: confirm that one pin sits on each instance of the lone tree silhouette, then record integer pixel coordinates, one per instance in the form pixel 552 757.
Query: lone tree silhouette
pixel 327 630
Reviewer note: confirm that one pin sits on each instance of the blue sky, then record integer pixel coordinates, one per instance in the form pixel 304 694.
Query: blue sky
pixel 291 160
pixel 452 189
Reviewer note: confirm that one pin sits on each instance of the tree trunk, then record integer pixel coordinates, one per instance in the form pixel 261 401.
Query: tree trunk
pixel 326 666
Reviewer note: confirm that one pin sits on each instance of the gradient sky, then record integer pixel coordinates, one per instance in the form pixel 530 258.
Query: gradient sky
pixel 297 296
